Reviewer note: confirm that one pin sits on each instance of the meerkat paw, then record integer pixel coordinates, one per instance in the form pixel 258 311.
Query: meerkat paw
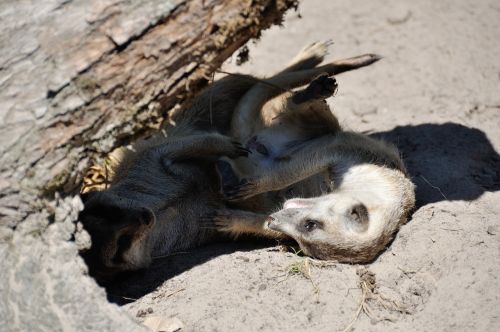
pixel 238 150
pixel 227 176
pixel 222 220
pixel 311 55
pixel 230 148
pixel 240 191
pixel 315 51
pixel 320 88
pixel 232 187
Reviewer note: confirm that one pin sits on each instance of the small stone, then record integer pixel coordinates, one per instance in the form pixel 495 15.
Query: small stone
pixel 163 324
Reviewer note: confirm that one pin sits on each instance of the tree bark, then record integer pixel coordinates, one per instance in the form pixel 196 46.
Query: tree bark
pixel 77 79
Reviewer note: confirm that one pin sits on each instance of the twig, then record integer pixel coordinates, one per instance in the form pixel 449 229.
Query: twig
pixel 450 229
pixel 369 290
pixel 433 186
pixel 358 312
pixel 175 292
pixel 124 297
pixel 106 175
pixel 210 102
pixel 407 272
pixel 169 255
pixel 169 295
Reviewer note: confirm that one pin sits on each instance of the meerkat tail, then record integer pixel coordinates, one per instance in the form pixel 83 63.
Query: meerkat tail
pixel 343 65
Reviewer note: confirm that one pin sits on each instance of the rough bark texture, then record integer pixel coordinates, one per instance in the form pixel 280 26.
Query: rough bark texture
pixel 77 79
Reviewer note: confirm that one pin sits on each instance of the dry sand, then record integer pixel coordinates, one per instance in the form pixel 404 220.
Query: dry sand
pixel 436 94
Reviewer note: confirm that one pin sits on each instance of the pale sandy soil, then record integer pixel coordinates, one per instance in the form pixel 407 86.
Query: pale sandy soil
pixel 436 94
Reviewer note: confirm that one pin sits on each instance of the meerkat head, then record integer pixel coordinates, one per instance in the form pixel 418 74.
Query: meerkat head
pixel 119 231
pixel 354 222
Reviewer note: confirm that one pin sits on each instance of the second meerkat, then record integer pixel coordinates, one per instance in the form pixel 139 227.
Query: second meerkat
pixel 163 185
pixel 345 194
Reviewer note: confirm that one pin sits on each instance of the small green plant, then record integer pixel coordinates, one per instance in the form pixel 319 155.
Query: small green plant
pixel 302 267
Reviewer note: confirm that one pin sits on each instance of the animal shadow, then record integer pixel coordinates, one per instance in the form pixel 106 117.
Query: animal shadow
pixel 130 286
pixel 447 161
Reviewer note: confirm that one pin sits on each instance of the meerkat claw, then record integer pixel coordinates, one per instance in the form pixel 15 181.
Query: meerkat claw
pixel 239 150
pixel 240 191
pixel 219 220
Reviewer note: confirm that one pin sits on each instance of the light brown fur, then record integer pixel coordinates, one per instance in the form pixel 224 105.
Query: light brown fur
pixel 345 193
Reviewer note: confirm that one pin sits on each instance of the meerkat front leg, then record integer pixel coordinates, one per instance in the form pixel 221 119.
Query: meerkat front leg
pixel 200 146
pixel 238 222
pixel 304 162
pixel 314 157
pixel 208 146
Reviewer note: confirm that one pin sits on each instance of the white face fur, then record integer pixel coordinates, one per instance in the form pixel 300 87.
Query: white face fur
pixel 352 223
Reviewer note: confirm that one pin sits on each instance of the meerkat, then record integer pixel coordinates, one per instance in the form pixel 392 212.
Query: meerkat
pixel 163 185
pixel 345 194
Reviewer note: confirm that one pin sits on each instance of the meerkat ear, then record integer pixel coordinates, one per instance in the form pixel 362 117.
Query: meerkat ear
pixel 104 209
pixel 359 217
pixel 146 216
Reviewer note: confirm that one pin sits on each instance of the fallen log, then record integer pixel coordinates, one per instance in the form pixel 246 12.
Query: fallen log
pixel 79 78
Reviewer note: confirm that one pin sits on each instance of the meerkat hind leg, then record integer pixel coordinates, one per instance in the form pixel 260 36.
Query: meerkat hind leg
pixel 250 105
pixel 309 57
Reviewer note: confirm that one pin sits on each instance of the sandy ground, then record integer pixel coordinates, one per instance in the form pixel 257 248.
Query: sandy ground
pixel 436 94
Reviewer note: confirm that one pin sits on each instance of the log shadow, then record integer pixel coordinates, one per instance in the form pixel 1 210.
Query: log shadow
pixel 447 161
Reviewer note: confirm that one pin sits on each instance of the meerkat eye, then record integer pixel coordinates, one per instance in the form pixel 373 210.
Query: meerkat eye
pixel 311 224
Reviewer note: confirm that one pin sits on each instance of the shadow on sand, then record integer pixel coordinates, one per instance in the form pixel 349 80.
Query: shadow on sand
pixel 446 161
pixel 129 287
